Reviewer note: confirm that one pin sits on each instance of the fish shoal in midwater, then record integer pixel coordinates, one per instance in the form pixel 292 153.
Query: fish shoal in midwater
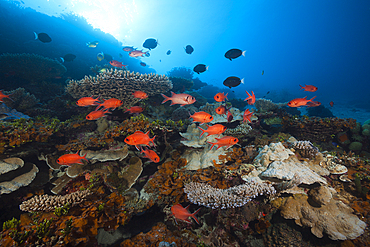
pixel 150 43
pixel 233 81
pixel 299 102
pixel 43 37
pixel 234 53
pixel 181 99
pixel 200 68
pixel 189 49
pixel 69 159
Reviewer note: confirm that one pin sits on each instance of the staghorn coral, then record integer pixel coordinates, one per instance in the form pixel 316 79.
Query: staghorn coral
pixel 119 84
pixel 237 196
pixel 31 67
pixel 306 149
pixel 48 203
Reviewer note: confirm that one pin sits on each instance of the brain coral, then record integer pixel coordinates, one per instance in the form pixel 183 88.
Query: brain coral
pixel 119 84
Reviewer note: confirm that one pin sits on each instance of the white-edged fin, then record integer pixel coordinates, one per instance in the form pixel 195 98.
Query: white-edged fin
pixel 62 59
pixel 207 67
pixel 243 53
pixel 36 36
pixel 242 81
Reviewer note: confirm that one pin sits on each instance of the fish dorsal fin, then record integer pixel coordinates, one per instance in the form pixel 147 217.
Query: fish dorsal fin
pixel 139 132
pixel 187 207
pixel 305 97
pixel 172 94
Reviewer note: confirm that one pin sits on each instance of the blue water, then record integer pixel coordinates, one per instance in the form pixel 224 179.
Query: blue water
pixel 321 43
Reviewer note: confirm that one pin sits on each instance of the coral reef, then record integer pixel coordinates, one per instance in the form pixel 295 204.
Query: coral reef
pixel 26 173
pixel 119 84
pixel 21 99
pixel 328 216
pixel 204 194
pixel 305 149
pixel 180 84
pixel 239 131
pixel 10 114
pixel 31 67
pixel 316 129
pixel 266 105
pixel 48 203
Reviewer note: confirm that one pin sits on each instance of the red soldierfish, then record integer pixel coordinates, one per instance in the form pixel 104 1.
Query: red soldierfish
pixel 201 117
pixel 331 103
pixel 220 97
pixel 140 95
pixel 150 154
pixel 216 129
pixel 2 96
pixel 139 138
pixel 221 110
pixel 135 109
pixel 224 141
pixel 182 213
pixel 110 103
pixel 247 116
pixel 229 117
pixel 117 64
pixel 309 88
pixel 137 53
pixel 251 98
pixel 299 102
pixel 88 101
pixel 181 99
pixel 97 114
pixel 313 104
pixel 69 159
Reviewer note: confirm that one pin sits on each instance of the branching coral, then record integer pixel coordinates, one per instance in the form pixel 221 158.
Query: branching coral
pixel 237 196
pixel 119 84
pixel 31 67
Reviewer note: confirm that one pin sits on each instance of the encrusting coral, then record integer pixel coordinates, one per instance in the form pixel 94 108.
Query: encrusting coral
pixel 237 196
pixel 48 203
pixel 119 84
pixel 31 67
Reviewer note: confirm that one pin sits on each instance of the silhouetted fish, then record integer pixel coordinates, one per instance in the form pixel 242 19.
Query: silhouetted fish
pixel 189 49
pixel 233 81
pixel 234 53
pixel 43 37
pixel 168 52
pixel 143 64
pixel 150 43
pixel 68 57
pixel 200 68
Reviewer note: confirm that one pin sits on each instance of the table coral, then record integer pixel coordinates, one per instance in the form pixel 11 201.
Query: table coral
pixel 119 84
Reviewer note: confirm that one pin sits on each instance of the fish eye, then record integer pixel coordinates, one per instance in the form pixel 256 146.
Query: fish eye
pixel 235 140
pixel 88 117
pixel 127 139
pixel 58 160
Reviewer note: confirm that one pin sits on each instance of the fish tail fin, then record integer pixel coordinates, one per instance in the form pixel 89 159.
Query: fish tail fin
pixel 242 81
pixel 203 131
pixel 152 140
pixel 243 53
pixel 84 157
pixel 194 217
pixel 207 67
pixel 312 98
pixel 166 98
pixel 226 96
pixel 36 36
pixel 213 144
pixel 302 87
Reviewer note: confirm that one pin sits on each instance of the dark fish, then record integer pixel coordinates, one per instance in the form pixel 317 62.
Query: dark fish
pixel 233 81
pixel 168 52
pixel 150 43
pixel 143 64
pixel 234 53
pixel 229 117
pixel 108 57
pixel 160 60
pixel 263 72
pixel 147 54
pixel 189 49
pixel 43 37
pixel 200 68
pixel 68 58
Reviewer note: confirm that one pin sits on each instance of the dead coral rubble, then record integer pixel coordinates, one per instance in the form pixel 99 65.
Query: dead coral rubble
pixel 119 84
